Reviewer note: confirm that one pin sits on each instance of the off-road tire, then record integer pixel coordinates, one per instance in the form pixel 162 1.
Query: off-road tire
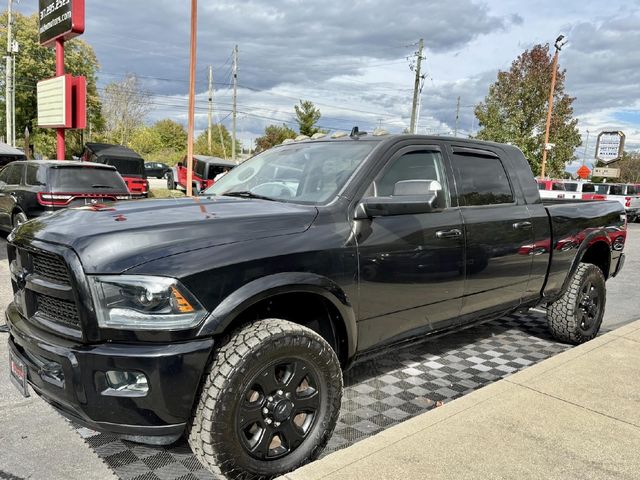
pixel 213 434
pixel 564 316
pixel 171 184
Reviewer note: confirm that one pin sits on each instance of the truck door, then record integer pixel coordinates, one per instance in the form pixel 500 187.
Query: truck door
pixel 410 265
pixel 498 230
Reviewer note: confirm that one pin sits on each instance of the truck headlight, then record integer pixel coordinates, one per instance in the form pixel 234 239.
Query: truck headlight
pixel 139 302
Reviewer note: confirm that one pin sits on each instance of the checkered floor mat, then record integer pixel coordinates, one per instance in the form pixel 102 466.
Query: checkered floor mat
pixel 379 392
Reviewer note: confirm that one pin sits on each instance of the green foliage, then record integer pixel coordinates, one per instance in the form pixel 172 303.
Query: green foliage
pixel 35 63
pixel 516 106
pixel 307 115
pixel 629 166
pixel 220 143
pixel 274 135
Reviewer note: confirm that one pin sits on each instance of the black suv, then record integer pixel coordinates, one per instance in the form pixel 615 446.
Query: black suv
pixel 30 189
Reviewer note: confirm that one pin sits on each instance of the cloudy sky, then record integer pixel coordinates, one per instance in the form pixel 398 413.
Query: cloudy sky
pixel 351 58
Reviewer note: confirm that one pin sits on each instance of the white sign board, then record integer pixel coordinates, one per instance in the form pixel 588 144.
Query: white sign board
pixel 610 146
pixel 606 172
pixel 54 102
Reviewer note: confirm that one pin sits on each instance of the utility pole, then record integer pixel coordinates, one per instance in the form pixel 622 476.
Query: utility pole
pixel 9 76
pixel 192 94
pixel 210 113
pixel 416 87
pixel 586 144
pixel 560 42
pixel 235 97
pixel 455 134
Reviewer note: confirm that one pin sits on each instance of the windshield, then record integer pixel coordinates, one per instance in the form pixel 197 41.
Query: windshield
pixel 127 166
pixel 86 179
pixel 311 173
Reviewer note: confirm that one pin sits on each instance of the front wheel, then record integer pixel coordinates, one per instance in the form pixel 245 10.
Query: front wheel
pixel 270 402
pixel 577 315
pixel 171 184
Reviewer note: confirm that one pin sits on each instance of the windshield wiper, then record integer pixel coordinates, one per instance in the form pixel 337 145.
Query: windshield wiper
pixel 247 194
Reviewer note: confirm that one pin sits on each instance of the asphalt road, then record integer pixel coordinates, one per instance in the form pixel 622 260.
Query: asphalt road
pixel 37 443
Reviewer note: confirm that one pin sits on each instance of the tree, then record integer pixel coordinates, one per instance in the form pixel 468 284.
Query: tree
pixel 220 142
pixel 125 107
pixel 35 63
pixel 629 166
pixel 274 135
pixel 172 134
pixel 307 115
pixel 516 106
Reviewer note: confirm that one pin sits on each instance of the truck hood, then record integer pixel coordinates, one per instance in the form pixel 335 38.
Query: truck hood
pixel 112 238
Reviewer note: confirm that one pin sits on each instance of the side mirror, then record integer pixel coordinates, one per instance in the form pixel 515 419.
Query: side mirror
pixel 371 207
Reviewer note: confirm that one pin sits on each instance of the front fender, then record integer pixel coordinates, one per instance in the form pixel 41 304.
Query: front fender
pixel 287 282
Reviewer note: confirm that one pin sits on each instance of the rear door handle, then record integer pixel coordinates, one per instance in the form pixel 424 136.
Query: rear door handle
pixel 522 226
pixel 455 233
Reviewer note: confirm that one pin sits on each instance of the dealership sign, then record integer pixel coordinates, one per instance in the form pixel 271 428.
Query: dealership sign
pixel 610 146
pixel 60 20
pixel 54 102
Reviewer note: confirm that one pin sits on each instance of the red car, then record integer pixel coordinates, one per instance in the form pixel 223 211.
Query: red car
pixel 128 163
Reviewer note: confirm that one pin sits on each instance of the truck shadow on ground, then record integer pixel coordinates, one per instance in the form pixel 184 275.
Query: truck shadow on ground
pixel 380 391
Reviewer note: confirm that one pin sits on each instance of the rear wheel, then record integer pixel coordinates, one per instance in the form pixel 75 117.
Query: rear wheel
pixel 269 403
pixel 577 315
pixel 171 184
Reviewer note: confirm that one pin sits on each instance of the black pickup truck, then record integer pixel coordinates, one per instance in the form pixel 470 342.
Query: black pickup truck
pixel 228 317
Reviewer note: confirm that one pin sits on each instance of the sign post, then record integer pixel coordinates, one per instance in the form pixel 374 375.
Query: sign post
pixel 610 146
pixel 61 20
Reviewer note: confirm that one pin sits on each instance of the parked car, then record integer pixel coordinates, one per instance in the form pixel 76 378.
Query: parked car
pixel 205 171
pixel 551 188
pixel 128 163
pixel 228 317
pixel 156 169
pixel 628 197
pixel 30 189
pixel 10 154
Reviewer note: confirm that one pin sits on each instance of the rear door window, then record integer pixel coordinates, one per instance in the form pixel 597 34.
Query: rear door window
pixel 480 179
pixel 86 179
pixel 14 176
pixel 557 186
pixel 36 175
pixel 616 190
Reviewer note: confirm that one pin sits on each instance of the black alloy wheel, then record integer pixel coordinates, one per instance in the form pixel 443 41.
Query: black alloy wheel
pixel 279 409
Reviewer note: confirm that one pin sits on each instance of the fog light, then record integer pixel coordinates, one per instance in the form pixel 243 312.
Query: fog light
pixel 126 384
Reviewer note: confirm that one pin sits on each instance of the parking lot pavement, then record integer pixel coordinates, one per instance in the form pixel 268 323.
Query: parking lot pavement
pixel 380 393
pixel 574 416
pixel 36 442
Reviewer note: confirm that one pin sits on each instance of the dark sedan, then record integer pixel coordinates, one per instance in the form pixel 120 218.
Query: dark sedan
pixel 156 169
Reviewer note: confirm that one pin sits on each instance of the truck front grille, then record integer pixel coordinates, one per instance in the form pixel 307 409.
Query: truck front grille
pixel 50 266
pixel 42 287
pixel 59 311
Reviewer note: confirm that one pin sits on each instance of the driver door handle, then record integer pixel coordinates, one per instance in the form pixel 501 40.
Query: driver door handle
pixel 522 226
pixel 455 233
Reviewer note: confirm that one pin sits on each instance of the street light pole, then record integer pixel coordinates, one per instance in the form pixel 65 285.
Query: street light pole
pixel 586 144
pixel 560 42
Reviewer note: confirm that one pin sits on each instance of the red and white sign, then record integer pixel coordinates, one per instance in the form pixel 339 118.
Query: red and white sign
pixel 55 102
pixel 60 20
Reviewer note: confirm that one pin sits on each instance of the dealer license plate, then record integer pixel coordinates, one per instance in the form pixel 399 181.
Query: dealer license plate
pixel 18 373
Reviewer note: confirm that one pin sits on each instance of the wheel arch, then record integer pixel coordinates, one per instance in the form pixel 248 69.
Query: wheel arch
pixel 595 249
pixel 287 294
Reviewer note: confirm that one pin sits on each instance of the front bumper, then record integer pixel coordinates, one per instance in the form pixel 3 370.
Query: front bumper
pixel 70 377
